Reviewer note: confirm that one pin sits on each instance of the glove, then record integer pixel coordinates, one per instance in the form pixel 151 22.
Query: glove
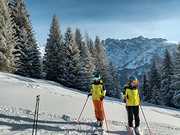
pixel 89 94
pixel 102 98
pixel 124 100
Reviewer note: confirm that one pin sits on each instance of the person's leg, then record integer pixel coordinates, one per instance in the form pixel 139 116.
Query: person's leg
pixel 99 110
pixel 130 116
pixel 136 116
pixel 96 109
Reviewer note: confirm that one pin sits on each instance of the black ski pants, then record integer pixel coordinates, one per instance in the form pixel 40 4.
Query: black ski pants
pixel 133 112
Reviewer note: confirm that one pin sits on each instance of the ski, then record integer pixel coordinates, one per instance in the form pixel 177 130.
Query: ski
pixel 98 130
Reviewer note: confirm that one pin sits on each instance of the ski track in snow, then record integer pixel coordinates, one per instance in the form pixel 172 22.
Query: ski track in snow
pixel 60 107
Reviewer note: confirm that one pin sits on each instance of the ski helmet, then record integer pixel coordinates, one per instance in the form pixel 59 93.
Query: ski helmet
pixel 96 76
pixel 132 78
pixel 133 81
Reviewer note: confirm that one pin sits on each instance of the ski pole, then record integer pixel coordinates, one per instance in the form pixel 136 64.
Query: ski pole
pixel 106 122
pixel 146 120
pixel 36 116
pixel 83 109
pixel 34 121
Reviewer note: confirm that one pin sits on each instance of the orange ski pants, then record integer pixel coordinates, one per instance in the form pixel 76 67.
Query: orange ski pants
pixel 99 109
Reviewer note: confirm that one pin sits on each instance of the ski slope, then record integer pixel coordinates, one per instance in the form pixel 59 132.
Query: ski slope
pixel 60 108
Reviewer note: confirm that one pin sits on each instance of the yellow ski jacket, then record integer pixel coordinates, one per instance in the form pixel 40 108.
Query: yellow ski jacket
pixel 132 97
pixel 98 91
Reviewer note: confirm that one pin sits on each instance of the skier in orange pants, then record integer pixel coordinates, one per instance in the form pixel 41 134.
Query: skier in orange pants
pixel 98 93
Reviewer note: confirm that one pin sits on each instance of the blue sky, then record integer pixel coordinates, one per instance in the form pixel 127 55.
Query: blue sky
pixel 119 19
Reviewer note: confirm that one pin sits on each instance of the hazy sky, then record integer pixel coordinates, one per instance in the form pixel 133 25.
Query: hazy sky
pixel 108 18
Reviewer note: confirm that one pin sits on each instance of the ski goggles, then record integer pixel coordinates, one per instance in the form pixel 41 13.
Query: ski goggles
pixel 97 78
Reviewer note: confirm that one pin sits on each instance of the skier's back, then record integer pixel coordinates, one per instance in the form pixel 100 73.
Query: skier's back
pixel 98 93
pixel 132 100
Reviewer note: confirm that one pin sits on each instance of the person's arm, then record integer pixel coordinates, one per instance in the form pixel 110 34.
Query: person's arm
pixel 124 94
pixel 103 92
pixel 90 92
pixel 140 97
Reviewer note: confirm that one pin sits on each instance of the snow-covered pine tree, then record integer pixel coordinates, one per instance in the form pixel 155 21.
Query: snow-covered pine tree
pixel 102 65
pixel 21 55
pixel 78 38
pixel 145 88
pixel 115 81
pixel 155 84
pixel 86 63
pixel 156 95
pixel 166 80
pixel 18 14
pixel 27 55
pixel 7 40
pixel 176 73
pixel 33 55
pixel 101 62
pixel 91 47
pixel 72 63
pixel 52 66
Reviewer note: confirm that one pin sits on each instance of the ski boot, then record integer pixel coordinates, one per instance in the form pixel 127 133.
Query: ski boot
pixel 131 131
pixel 138 131
pixel 99 128
pixel 101 124
pixel 97 123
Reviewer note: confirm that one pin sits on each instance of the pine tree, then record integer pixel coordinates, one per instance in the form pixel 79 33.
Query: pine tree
pixel 155 84
pixel 22 58
pixel 102 65
pixel 87 68
pixel 7 39
pixel 34 56
pixel 27 55
pixel 90 45
pixel 156 95
pixel 115 81
pixel 176 73
pixel 19 17
pixel 72 63
pixel 145 88
pixel 86 62
pixel 78 38
pixel 91 48
pixel 52 62
pixel 166 80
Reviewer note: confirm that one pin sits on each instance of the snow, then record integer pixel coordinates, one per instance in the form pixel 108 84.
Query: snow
pixel 60 108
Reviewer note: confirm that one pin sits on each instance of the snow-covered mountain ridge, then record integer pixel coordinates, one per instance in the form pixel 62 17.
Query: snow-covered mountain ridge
pixel 136 53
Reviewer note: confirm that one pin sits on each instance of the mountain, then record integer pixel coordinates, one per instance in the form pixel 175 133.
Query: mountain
pixel 60 108
pixel 135 55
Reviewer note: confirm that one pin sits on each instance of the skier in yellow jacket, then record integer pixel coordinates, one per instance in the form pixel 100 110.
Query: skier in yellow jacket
pixel 132 100
pixel 98 93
